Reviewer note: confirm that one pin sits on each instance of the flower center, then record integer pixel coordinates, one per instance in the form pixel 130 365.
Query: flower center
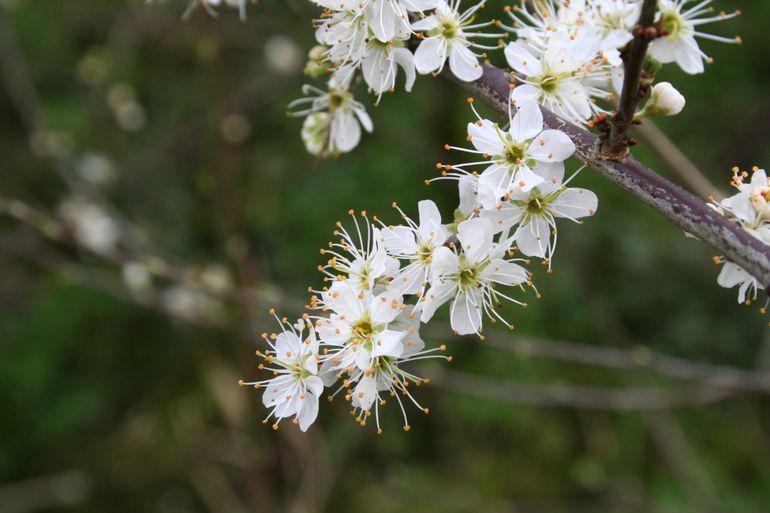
pixel 514 154
pixel 535 206
pixel 548 83
pixel 672 23
pixel 425 253
pixel 363 328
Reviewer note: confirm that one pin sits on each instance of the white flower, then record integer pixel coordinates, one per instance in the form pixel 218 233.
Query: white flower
pixel 389 19
pixel 345 34
pixel 517 157
pixel 364 388
pixel 679 28
pixel 361 261
pixel 664 100
pixel 340 130
pixel 447 36
pixel 562 76
pixel 380 63
pixel 91 224
pixel 733 275
pixel 358 329
pixel 468 279
pixel 751 205
pixel 535 213
pixel 414 244
pixel 295 387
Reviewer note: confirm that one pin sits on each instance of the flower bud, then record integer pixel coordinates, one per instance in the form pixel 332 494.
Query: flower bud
pixel 317 66
pixel 664 100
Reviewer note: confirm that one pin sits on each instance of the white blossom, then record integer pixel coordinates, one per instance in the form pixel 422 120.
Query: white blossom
pixel 414 244
pixel 517 158
pixel 534 214
pixel 679 21
pixel 360 259
pixel 295 387
pixel 447 36
pixel 562 76
pixel 732 275
pixel 339 130
pixel 468 279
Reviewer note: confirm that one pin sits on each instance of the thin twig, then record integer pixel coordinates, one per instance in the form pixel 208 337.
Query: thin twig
pixel 639 358
pixel 573 396
pixel 616 146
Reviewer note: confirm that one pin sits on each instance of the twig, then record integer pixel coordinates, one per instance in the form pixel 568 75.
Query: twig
pixel 616 146
pixel 676 450
pixel 640 359
pixel 572 396
pixel 675 159
pixel 685 210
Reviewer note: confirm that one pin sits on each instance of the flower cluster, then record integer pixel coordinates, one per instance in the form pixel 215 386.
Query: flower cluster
pixel 383 281
pixel 750 209
pixel 568 53
pixel 371 39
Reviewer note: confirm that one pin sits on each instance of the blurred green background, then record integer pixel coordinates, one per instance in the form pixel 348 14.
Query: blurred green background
pixel 170 139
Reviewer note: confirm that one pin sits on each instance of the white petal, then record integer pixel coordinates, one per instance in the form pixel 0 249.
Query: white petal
pixel 405 59
pixel 388 343
pixel 528 121
pixel 485 137
pixel 399 240
pixel 476 235
pixel 308 412
pixel 574 203
pixel 505 273
pixel 551 146
pixel 466 312
pixel 533 237
pixel 430 55
pixel 346 132
pixel 444 262
pixel 464 64
pixel 344 300
pixel 314 385
pixel 385 307
pixel 437 295
pixel 365 393
pixel 521 60
pixel 287 346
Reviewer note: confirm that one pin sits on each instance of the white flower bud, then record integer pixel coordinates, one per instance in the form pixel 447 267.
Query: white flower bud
pixel 665 100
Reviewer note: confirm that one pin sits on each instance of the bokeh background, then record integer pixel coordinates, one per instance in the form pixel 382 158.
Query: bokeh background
pixel 156 201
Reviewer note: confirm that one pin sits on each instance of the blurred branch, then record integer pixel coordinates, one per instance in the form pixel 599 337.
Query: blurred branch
pixel 685 210
pixel 675 159
pixel 65 489
pixel 573 396
pixel 639 358
pixel 53 229
pixel 673 445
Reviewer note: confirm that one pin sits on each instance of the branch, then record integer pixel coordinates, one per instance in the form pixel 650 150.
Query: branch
pixel 572 396
pixel 639 358
pixel 685 210
pixel 617 144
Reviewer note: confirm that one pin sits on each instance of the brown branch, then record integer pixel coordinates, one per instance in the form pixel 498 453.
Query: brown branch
pixel 685 210
pixel 616 145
